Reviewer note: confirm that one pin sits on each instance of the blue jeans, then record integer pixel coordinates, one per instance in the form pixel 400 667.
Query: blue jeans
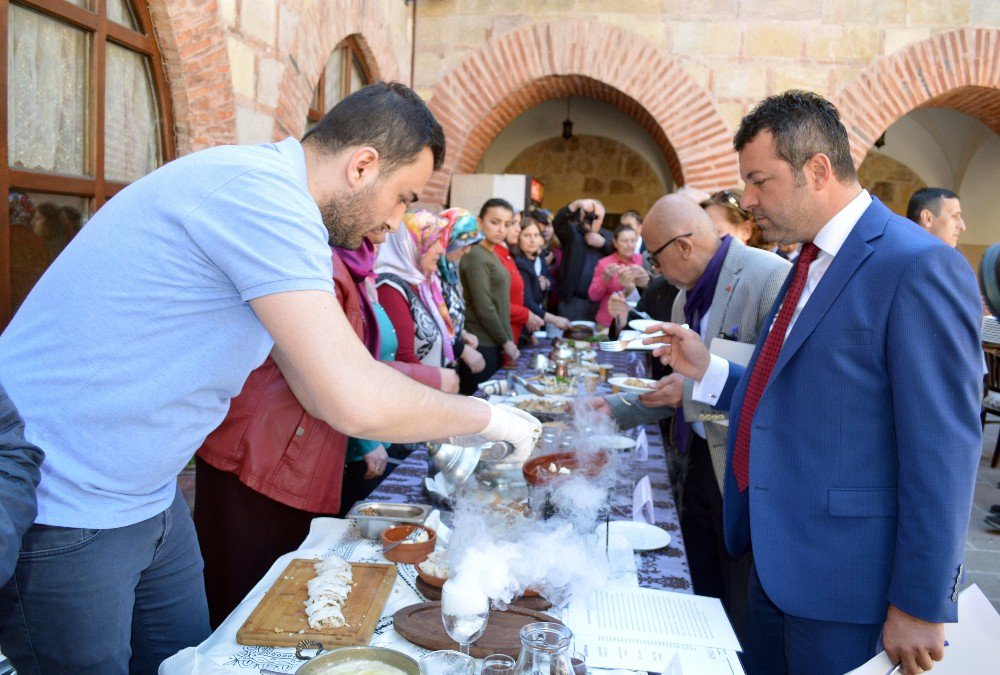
pixel 105 601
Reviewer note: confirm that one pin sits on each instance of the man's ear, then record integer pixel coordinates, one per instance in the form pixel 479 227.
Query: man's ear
pixel 362 167
pixel 926 218
pixel 820 170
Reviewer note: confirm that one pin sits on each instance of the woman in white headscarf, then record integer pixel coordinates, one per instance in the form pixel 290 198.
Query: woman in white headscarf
pixel 410 292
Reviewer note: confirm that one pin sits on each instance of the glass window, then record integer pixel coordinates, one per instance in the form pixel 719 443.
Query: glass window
pixel 47 93
pixel 61 164
pixel 41 225
pixel 344 74
pixel 358 78
pixel 333 80
pixel 131 123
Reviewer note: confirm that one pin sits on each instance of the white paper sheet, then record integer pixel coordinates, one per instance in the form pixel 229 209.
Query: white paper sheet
pixel 642 502
pixel 641 453
pixel 670 658
pixel 732 351
pixel 655 615
pixel 973 643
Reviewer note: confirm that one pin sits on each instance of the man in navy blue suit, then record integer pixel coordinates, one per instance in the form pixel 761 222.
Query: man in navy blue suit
pixel 854 430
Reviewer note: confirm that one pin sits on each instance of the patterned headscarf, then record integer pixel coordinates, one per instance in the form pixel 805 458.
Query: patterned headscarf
pixel 462 230
pixel 400 255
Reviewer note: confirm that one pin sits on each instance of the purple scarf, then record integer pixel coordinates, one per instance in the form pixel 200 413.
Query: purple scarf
pixel 360 263
pixel 699 301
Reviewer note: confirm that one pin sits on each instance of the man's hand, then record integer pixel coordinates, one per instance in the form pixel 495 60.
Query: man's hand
pixel 598 404
pixel 535 322
pixel 912 642
pixel 594 239
pixel 682 349
pixel 470 340
pixel 376 461
pixel 507 423
pixel 585 204
pixel 449 381
pixel 669 391
pixel 618 308
pixel 511 350
pixel 473 359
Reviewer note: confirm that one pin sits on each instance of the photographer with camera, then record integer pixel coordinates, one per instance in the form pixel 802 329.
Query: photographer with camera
pixel 578 226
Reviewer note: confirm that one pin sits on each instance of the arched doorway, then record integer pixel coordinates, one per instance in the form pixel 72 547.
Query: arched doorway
pixel 518 70
pixel 934 107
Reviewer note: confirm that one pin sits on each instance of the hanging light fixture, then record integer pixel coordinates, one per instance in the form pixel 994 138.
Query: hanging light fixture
pixel 568 124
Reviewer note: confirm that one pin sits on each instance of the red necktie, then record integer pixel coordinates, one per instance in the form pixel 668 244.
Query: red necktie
pixel 765 364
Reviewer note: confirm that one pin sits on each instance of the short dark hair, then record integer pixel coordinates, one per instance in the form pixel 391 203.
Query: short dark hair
pixel 631 212
pixel 623 228
pixel 543 216
pixel 927 198
pixel 803 123
pixel 387 116
pixel 495 202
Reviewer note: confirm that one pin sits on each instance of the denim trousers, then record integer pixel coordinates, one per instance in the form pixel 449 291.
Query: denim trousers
pixel 107 601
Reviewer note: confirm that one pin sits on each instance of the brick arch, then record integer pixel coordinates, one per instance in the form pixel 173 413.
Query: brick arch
pixel 192 41
pixel 520 69
pixel 323 26
pixel 958 69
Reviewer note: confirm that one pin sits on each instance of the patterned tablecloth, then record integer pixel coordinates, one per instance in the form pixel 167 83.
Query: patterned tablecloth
pixel 665 568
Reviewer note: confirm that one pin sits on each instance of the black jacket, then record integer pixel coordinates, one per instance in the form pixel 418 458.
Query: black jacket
pixel 19 476
pixel 534 297
pixel 576 251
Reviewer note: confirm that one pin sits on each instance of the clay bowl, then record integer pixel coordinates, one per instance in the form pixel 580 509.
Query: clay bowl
pixel 412 553
pixel 436 582
pixel 536 470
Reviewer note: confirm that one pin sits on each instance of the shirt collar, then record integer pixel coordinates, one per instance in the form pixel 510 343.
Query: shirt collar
pixel 291 151
pixel 835 232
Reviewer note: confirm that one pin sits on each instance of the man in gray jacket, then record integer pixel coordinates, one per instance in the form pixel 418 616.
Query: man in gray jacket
pixel 727 290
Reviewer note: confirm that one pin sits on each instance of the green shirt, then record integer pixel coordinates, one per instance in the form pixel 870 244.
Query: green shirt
pixel 486 288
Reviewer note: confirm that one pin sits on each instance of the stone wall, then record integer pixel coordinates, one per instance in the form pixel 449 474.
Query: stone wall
pixel 590 166
pixel 890 180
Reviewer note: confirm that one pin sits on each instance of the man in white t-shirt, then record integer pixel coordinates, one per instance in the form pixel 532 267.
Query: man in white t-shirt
pixel 125 356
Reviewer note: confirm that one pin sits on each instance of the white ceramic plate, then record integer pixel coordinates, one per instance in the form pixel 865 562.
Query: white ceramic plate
pixel 640 536
pixel 620 383
pixel 613 442
pixel 636 340
pixel 642 324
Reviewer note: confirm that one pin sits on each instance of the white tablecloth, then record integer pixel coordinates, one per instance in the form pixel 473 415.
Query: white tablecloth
pixel 220 654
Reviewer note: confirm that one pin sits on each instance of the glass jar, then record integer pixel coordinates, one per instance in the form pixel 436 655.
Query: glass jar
pixel 545 649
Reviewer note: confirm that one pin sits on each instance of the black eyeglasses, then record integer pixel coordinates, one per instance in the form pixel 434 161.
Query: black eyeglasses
pixel 651 255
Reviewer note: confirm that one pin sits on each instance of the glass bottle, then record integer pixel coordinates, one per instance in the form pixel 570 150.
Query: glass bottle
pixel 545 649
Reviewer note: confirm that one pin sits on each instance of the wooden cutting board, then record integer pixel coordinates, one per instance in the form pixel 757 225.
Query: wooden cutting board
pixel 531 602
pixel 421 624
pixel 281 614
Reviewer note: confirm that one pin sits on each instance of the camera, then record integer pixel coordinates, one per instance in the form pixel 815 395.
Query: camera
pixel 587 218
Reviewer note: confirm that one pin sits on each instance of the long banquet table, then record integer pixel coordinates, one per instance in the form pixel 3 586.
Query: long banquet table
pixel 665 568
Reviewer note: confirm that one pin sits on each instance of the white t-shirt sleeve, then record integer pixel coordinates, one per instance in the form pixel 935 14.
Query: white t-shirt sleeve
pixel 264 233
pixel 709 389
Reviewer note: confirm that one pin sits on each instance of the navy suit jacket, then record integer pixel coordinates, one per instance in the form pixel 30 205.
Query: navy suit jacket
pixel 865 444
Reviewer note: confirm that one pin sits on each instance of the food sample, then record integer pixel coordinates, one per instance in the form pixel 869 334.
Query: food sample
pixel 436 564
pixel 420 538
pixel 639 383
pixel 365 667
pixel 555 385
pixel 559 469
pixel 541 405
pixel 328 593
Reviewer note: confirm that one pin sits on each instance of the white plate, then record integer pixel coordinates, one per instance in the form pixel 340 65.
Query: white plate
pixel 640 536
pixel 620 383
pixel 612 442
pixel 642 324
pixel 636 340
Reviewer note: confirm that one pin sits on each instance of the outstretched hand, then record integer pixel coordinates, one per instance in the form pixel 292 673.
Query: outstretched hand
pixel 682 350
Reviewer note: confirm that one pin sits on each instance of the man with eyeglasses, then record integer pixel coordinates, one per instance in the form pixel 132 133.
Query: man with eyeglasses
pixel 726 292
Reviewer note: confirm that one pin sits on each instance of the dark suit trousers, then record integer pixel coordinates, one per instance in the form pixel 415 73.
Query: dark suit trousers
pixel 713 572
pixel 777 643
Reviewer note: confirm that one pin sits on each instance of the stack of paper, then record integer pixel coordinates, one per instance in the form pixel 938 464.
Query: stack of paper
pixel 655 631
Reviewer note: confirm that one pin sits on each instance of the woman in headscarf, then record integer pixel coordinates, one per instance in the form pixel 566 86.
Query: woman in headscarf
pixel 460 234
pixel 409 290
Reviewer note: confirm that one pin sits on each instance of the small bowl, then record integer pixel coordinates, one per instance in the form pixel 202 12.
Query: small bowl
pixel 345 655
pixel 412 553
pixel 430 579
pixel 536 470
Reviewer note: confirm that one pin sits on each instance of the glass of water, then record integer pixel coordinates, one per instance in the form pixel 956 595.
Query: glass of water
pixel 464 615
pixel 447 662
pixel 498 664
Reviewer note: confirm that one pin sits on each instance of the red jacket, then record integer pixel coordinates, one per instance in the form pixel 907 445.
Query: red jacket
pixel 274 446
pixel 518 312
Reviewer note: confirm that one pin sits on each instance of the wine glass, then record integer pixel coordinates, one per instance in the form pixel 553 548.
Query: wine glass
pixel 464 612
pixel 447 662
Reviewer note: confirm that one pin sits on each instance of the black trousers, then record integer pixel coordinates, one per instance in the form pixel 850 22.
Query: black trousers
pixel 469 381
pixel 713 572
pixel 241 533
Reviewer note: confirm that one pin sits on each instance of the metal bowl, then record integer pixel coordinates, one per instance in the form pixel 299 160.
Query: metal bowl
pixel 455 463
pixel 325 663
pixel 373 517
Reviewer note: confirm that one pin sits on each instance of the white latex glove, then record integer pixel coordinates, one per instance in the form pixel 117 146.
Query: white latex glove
pixel 507 423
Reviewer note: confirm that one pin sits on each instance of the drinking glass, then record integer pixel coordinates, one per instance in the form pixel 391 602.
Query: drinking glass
pixel 463 627
pixel 498 664
pixel 447 662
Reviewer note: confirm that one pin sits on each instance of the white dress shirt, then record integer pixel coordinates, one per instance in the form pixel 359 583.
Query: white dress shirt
pixel 829 240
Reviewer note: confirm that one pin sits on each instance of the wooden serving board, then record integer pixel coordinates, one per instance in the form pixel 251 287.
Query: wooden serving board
pixel 281 614
pixel 536 602
pixel 421 624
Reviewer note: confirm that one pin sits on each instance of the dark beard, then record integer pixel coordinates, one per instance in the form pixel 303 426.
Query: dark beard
pixel 348 217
